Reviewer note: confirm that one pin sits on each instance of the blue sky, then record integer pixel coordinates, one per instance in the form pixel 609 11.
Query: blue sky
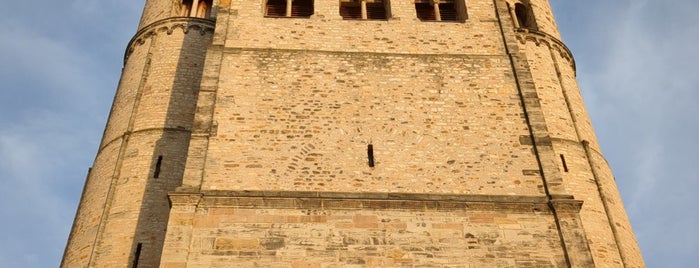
pixel 60 62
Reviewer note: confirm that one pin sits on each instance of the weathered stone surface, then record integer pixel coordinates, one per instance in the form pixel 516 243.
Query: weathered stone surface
pixel 237 139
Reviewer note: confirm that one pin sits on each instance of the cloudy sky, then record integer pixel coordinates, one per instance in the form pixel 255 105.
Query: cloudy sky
pixel 60 62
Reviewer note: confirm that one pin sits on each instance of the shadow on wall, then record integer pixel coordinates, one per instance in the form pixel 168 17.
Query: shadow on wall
pixel 170 150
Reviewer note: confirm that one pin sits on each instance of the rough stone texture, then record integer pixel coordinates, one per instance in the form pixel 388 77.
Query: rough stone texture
pixel 484 155
pixel 288 232
pixel 123 203
pixel 429 119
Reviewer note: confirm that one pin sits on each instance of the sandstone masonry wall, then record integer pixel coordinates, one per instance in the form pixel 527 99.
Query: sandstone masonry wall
pixel 144 148
pixel 606 224
pixel 323 142
pixel 217 231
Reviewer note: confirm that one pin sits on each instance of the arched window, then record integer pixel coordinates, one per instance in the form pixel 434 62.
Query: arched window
pixel 186 8
pixel 204 9
pixel 196 8
pixel 525 17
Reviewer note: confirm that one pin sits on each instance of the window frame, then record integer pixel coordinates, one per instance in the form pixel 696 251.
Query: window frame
pixel 291 10
pixel 366 8
pixel 434 14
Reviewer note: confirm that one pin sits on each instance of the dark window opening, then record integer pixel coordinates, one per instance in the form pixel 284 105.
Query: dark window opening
pixel 276 8
pixel 186 8
pixel 137 255
pixel 440 10
pixel 289 8
pixel 204 9
pixel 156 172
pixel 565 165
pixel 200 9
pixel 351 10
pixel 425 11
pixel 301 8
pixel 447 12
pixel 525 19
pixel 370 154
pixel 376 10
pixel 363 10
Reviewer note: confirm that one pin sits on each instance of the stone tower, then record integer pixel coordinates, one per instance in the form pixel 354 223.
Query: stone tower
pixel 366 133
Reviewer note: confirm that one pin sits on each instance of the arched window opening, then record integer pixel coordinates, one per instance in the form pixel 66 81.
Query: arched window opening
pixel 196 8
pixel 525 19
pixel 204 9
pixel 186 8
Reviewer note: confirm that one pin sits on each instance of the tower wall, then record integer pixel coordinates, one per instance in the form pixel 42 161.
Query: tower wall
pixel 277 171
pixel 585 173
pixel 362 231
pixel 300 101
pixel 124 209
pixel 319 141
pixel 543 14
pixel 156 10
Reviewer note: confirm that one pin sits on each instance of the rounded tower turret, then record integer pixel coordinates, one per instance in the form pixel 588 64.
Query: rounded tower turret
pixel 124 208
pixel 576 153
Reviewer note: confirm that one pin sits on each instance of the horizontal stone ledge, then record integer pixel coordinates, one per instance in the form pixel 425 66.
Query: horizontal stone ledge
pixel 390 55
pixel 350 200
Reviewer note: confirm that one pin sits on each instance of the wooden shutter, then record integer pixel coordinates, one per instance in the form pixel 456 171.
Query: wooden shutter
pixel 301 8
pixel 447 11
pixel 425 11
pixel 276 8
pixel 351 10
pixel 376 10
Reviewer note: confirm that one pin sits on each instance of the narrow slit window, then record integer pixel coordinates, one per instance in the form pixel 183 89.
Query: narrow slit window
pixel 158 164
pixel 440 10
pixel 370 154
pixel 565 165
pixel 137 255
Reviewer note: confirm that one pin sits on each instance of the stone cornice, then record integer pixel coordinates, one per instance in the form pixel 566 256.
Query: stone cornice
pixel 367 200
pixel 581 144
pixel 139 131
pixel 539 38
pixel 168 26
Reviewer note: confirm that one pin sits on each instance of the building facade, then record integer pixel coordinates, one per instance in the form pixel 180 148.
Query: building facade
pixel 351 133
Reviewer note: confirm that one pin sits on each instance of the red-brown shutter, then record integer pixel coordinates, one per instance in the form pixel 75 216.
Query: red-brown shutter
pixel 376 11
pixel 301 8
pixel 275 8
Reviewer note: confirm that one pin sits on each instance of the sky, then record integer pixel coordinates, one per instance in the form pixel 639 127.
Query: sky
pixel 60 62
